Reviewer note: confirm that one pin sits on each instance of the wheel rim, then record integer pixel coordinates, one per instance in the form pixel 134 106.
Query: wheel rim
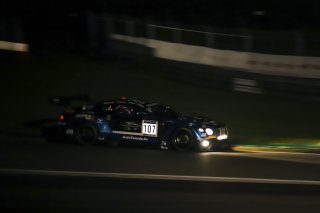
pixel 182 140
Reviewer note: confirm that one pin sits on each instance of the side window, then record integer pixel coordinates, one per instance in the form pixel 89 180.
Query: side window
pixel 142 113
pixel 164 112
pixel 125 111
pixel 107 111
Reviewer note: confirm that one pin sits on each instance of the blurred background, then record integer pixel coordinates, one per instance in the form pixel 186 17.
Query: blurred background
pixel 279 27
pixel 252 64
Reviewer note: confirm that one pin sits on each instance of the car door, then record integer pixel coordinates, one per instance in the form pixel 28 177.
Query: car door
pixel 125 120
pixel 133 120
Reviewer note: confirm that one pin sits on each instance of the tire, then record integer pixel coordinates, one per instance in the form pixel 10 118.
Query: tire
pixel 182 140
pixel 87 134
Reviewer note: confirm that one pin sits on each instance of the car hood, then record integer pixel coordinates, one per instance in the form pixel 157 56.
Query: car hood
pixel 202 122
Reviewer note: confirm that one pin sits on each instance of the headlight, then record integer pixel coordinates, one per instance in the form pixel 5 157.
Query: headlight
pixel 205 143
pixel 209 131
pixel 201 130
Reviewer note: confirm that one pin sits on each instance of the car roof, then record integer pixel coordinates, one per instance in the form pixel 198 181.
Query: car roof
pixel 149 106
pixel 130 101
pixel 122 100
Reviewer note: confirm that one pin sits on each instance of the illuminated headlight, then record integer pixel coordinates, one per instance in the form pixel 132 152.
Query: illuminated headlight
pixel 222 137
pixel 201 130
pixel 209 131
pixel 205 143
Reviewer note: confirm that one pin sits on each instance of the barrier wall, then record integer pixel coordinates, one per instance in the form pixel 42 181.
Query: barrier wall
pixel 278 65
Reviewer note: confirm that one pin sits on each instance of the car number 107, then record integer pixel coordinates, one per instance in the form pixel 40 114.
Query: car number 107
pixel 150 128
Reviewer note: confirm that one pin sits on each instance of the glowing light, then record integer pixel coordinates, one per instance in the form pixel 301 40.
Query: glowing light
pixel 61 117
pixel 201 130
pixel 209 131
pixel 205 143
pixel 222 137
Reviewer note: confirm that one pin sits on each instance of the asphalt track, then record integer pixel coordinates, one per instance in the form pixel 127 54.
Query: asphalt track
pixel 37 175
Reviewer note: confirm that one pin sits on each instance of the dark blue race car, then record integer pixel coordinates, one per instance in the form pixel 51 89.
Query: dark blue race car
pixel 139 122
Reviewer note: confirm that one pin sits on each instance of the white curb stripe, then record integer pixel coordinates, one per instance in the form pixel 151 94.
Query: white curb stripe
pixel 158 177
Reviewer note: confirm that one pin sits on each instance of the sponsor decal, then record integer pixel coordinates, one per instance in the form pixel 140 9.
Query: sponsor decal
pixel 135 138
pixel 69 131
pixel 164 145
pixel 85 116
pixel 130 126
pixel 104 129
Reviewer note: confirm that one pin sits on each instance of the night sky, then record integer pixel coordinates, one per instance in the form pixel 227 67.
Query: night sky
pixel 221 13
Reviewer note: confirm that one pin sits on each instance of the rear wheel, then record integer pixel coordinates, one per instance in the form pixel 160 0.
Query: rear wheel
pixel 182 140
pixel 87 134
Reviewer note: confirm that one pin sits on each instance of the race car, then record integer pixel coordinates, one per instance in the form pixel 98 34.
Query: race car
pixel 140 122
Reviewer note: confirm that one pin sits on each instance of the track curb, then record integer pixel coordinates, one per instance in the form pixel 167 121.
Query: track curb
pixel 292 149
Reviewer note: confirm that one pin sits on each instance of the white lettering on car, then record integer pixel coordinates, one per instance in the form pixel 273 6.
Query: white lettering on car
pixel 85 116
pixel 135 138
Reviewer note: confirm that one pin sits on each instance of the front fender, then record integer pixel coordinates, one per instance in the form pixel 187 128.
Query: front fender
pixel 172 128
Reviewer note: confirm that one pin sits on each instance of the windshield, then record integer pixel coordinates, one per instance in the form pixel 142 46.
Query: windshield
pixel 164 111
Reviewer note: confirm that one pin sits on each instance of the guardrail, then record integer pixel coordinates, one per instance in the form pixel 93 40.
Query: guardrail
pixel 235 51
pixel 296 43
pixel 243 69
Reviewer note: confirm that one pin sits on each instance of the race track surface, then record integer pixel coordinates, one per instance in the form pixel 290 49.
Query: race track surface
pixel 40 176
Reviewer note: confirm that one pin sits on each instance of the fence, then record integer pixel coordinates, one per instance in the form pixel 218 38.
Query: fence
pixel 275 63
pixel 277 43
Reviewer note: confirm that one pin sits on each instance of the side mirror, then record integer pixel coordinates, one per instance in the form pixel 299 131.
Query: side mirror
pixel 142 114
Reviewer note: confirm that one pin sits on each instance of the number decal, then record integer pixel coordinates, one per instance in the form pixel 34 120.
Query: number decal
pixel 150 128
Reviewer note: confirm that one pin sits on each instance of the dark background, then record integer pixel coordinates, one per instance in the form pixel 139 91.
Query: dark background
pixel 63 23
pixel 284 14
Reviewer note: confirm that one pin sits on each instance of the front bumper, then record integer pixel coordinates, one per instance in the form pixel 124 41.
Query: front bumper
pixel 210 144
pixel 218 140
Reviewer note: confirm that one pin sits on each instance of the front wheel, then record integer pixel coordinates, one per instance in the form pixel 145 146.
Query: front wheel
pixel 87 134
pixel 182 140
